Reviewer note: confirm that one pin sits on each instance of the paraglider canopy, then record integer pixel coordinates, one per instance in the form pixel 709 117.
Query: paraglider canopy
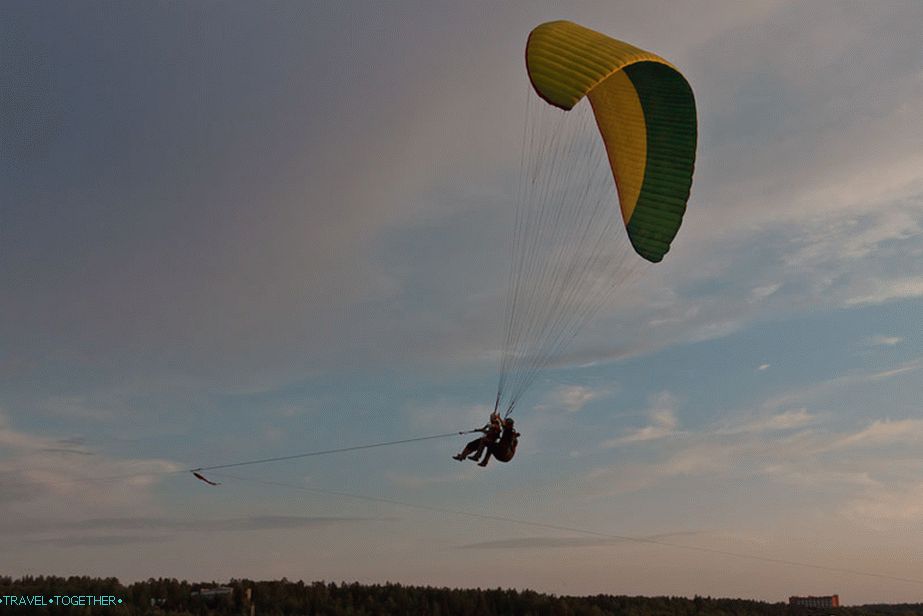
pixel 633 143
pixel 645 112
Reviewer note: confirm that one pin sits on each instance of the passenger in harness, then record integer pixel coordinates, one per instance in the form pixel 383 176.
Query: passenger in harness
pixel 475 448
pixel 505 448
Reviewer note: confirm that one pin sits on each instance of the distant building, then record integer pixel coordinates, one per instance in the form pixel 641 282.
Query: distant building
pixel 213 593
pixel 830 601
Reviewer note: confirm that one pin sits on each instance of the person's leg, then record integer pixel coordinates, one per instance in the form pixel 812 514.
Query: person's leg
pixel 479 451
pixel 490 449
pixel 469 448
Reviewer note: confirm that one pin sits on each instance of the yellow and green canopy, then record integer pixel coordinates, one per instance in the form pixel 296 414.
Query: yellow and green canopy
pixel 645 112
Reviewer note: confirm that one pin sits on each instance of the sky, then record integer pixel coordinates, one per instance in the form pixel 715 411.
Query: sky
pixel 234 231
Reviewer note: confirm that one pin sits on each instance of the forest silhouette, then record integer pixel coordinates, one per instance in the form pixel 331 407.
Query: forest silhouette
pixel 171 597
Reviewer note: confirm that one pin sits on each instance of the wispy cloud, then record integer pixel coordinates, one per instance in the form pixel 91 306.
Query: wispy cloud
pixel 883 340
pixel 573 398
pixel 905 368
pixel 797 397
pixel 889 289
pixel 871 487
pixel 786 420
pixel 882 432
pixel 791 446
pixel 156 524
pixel 813 478
pixel 662 414
pixel 881 507
pixel 760 293
pixel 68 451
pixel 422 480
pixel 34 468
pixel 531 543
pixel 111 531
pixel 79 408
pixel 98 541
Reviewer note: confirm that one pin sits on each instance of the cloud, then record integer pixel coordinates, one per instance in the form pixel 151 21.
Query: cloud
pixel 64 450
pixel 706 458
pixel 35 469
pixel 882 507
pixel 362 234
pixel 286 224
pixel 417 480
pixel 761 293
pixel 323 249
pixel 883 340
pixel 789 447
pixel 530 543
pixel 662 414
pixel 887 290
pixel 73 441
pixel 786 420
pixel 783 421
pixel 573 397
pixel 109 531
pixel 814 478
pixel 882 432
pixel 79 408
pixel 906 367
pixel 99 541
pixel 839 385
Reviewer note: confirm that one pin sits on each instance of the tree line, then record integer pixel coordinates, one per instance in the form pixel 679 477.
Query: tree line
pixel 171 597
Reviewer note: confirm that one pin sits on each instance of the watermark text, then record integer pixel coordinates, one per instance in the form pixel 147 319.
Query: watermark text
pixel 48 600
